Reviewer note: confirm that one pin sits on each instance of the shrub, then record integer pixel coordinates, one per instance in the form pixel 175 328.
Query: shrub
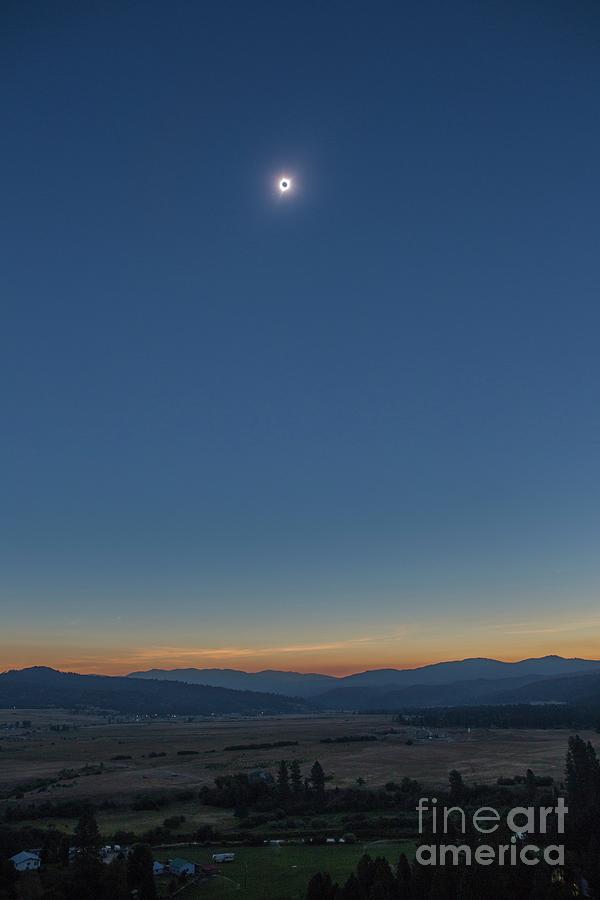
pixel 204 834
pixel 173 822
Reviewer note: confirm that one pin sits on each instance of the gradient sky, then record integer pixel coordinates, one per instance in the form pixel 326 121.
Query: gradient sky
pixel 356 428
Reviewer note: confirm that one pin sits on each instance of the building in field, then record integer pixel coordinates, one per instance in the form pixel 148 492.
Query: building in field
pixel 260 775
pixel 26 861
pixel 180 866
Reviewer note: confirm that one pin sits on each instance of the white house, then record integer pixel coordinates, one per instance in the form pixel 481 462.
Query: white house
pixel 26 861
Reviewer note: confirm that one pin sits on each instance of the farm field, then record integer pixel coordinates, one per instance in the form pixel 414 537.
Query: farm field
pixel 120 761
pixel 268 873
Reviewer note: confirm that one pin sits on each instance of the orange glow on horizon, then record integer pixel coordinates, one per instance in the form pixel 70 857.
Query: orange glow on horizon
pixel 403 646
pixel 329 663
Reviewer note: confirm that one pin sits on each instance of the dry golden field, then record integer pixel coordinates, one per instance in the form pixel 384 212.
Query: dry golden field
pixel 40 753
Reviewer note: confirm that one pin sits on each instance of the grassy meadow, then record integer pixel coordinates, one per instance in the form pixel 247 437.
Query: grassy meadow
pixel 274 873
pixel 115 764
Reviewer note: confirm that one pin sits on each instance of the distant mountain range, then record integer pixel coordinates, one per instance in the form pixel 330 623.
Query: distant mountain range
pixel 41 687
pixel 291 683
pixel 476 680
pixel 551 679
pixel 580 689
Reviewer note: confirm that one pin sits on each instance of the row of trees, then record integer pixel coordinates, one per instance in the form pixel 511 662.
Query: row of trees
pixel 293 793
pixel 518 715
pixel 289 789
pixel 290 780
pixel 374 879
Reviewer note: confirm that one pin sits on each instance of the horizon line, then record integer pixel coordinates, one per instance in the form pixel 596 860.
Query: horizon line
pixel 126 673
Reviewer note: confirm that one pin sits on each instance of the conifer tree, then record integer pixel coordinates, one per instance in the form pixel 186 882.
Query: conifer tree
pixel 317 778
pixel 283 779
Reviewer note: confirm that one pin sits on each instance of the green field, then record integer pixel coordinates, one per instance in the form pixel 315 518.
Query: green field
pixel 270 873
pixel 139 821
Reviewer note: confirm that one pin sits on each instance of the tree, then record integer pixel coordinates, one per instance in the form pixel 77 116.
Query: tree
pixel 365 872
pixel 476 882
pixel 457 786
pixel 140 875
pixel 403 877
pixel 352 889
pixel 296 776
pixel 115 879
pixel 444 883
pixel 283 779
pixel 317 778
pixel 88 871
pixel 87 837
pixel 582 772
pixel 556 891
pixel 380 891
pixel 383 886
pixel 583 788
pixel 204 834
pixel 320 887
pixel 591 865
pixel 8 879
pixel 530 784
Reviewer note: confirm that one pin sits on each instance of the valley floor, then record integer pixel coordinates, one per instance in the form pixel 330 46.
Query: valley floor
pixel 192 753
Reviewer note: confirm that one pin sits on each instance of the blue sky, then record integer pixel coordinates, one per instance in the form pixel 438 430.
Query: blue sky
pixel 357 425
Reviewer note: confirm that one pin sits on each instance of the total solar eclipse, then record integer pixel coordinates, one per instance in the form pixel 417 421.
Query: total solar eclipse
pixel 284 185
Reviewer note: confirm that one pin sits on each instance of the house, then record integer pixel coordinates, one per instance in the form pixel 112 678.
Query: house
pixel 223 857
pixel 180 866
pixel 260 775
pixel 26 861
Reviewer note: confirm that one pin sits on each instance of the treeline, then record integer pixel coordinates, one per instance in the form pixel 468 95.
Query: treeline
pixel 64 809
pixel 522 715
pixel 293 796
pixel 73 809
pixel 273 745
pixel 40 785
pixel 375 879
pixel 293 793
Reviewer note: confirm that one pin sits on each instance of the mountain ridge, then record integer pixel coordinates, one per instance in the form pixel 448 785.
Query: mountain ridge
pixel 473 681
pixel 312 685
pixel 42 687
